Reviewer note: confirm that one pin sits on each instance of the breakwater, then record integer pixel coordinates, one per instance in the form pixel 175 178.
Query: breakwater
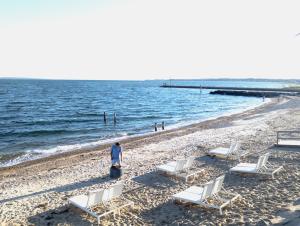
pixel 248 93
pixel 241 91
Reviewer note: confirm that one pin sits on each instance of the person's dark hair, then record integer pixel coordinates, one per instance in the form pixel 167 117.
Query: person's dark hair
pixel 118 144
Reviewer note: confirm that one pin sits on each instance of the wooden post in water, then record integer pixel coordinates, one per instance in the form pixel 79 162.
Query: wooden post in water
pixel 155 127
pixel 104 117
pixel 163 125
pixel 115 118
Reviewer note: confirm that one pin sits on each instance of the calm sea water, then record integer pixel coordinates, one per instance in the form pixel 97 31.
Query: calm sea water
pixel 42 117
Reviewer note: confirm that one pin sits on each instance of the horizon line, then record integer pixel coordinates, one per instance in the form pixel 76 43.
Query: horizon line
pixel 162 79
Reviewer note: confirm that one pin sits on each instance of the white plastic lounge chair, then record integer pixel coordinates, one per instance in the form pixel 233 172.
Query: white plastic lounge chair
pixel 96 197
pixel 195 194
pixel 261 167
pixel 188 164
pixel 187 173
pixel 233 151
pixel 173 169
pixel 221 194
pixel 211 190
pixel 222 150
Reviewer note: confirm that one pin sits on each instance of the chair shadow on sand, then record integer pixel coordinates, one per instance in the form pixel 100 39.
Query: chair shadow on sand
pixel 64 215
pixel 159 215
pixel 67 214
pixel 64 188
pixel 154 179
pixel 222 164
pixel 170 213
pixel 59 216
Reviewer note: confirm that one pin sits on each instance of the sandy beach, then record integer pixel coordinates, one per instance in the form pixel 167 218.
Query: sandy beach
pixel 37 192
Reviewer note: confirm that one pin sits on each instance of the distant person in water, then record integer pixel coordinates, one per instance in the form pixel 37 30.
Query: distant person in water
pixel 116 154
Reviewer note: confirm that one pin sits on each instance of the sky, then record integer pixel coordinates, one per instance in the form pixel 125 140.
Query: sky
pixel 149 39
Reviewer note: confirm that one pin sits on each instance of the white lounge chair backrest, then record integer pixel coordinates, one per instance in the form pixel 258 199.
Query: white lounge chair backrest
pixel 86 202
pixel 266 158
pixel 259 163
pixel 95 197
pixel 207 190
pixel 113 192
pixel 218 184
pixel 231 148
pixel 236 147
pixel 107 195
pixel 117 190
pixel 180 165
pixel 189 162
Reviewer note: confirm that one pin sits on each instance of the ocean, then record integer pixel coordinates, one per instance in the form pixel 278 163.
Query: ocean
pixel 42 117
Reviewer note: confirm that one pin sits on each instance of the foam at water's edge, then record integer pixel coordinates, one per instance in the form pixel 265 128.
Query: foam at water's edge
pixel 40 153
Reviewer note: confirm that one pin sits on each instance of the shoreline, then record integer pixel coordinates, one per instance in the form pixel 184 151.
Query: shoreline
pixel 94 145
pixel 191 125
pixel 38 194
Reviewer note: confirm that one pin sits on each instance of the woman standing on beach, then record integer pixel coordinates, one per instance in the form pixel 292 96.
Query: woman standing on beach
pixel 116 153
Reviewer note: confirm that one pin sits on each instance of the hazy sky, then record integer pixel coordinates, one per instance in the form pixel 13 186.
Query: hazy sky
pixel 149 39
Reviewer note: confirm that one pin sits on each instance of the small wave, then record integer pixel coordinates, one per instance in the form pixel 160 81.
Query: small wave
pixel 58 121
pixel 88 114
pixel 20 102
pixel 73 147
pixel 42 122
pixel 136 118
pixel 13 159
pixel 12 109
pixel 45 132
pixel 9 156
pixel 35 132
